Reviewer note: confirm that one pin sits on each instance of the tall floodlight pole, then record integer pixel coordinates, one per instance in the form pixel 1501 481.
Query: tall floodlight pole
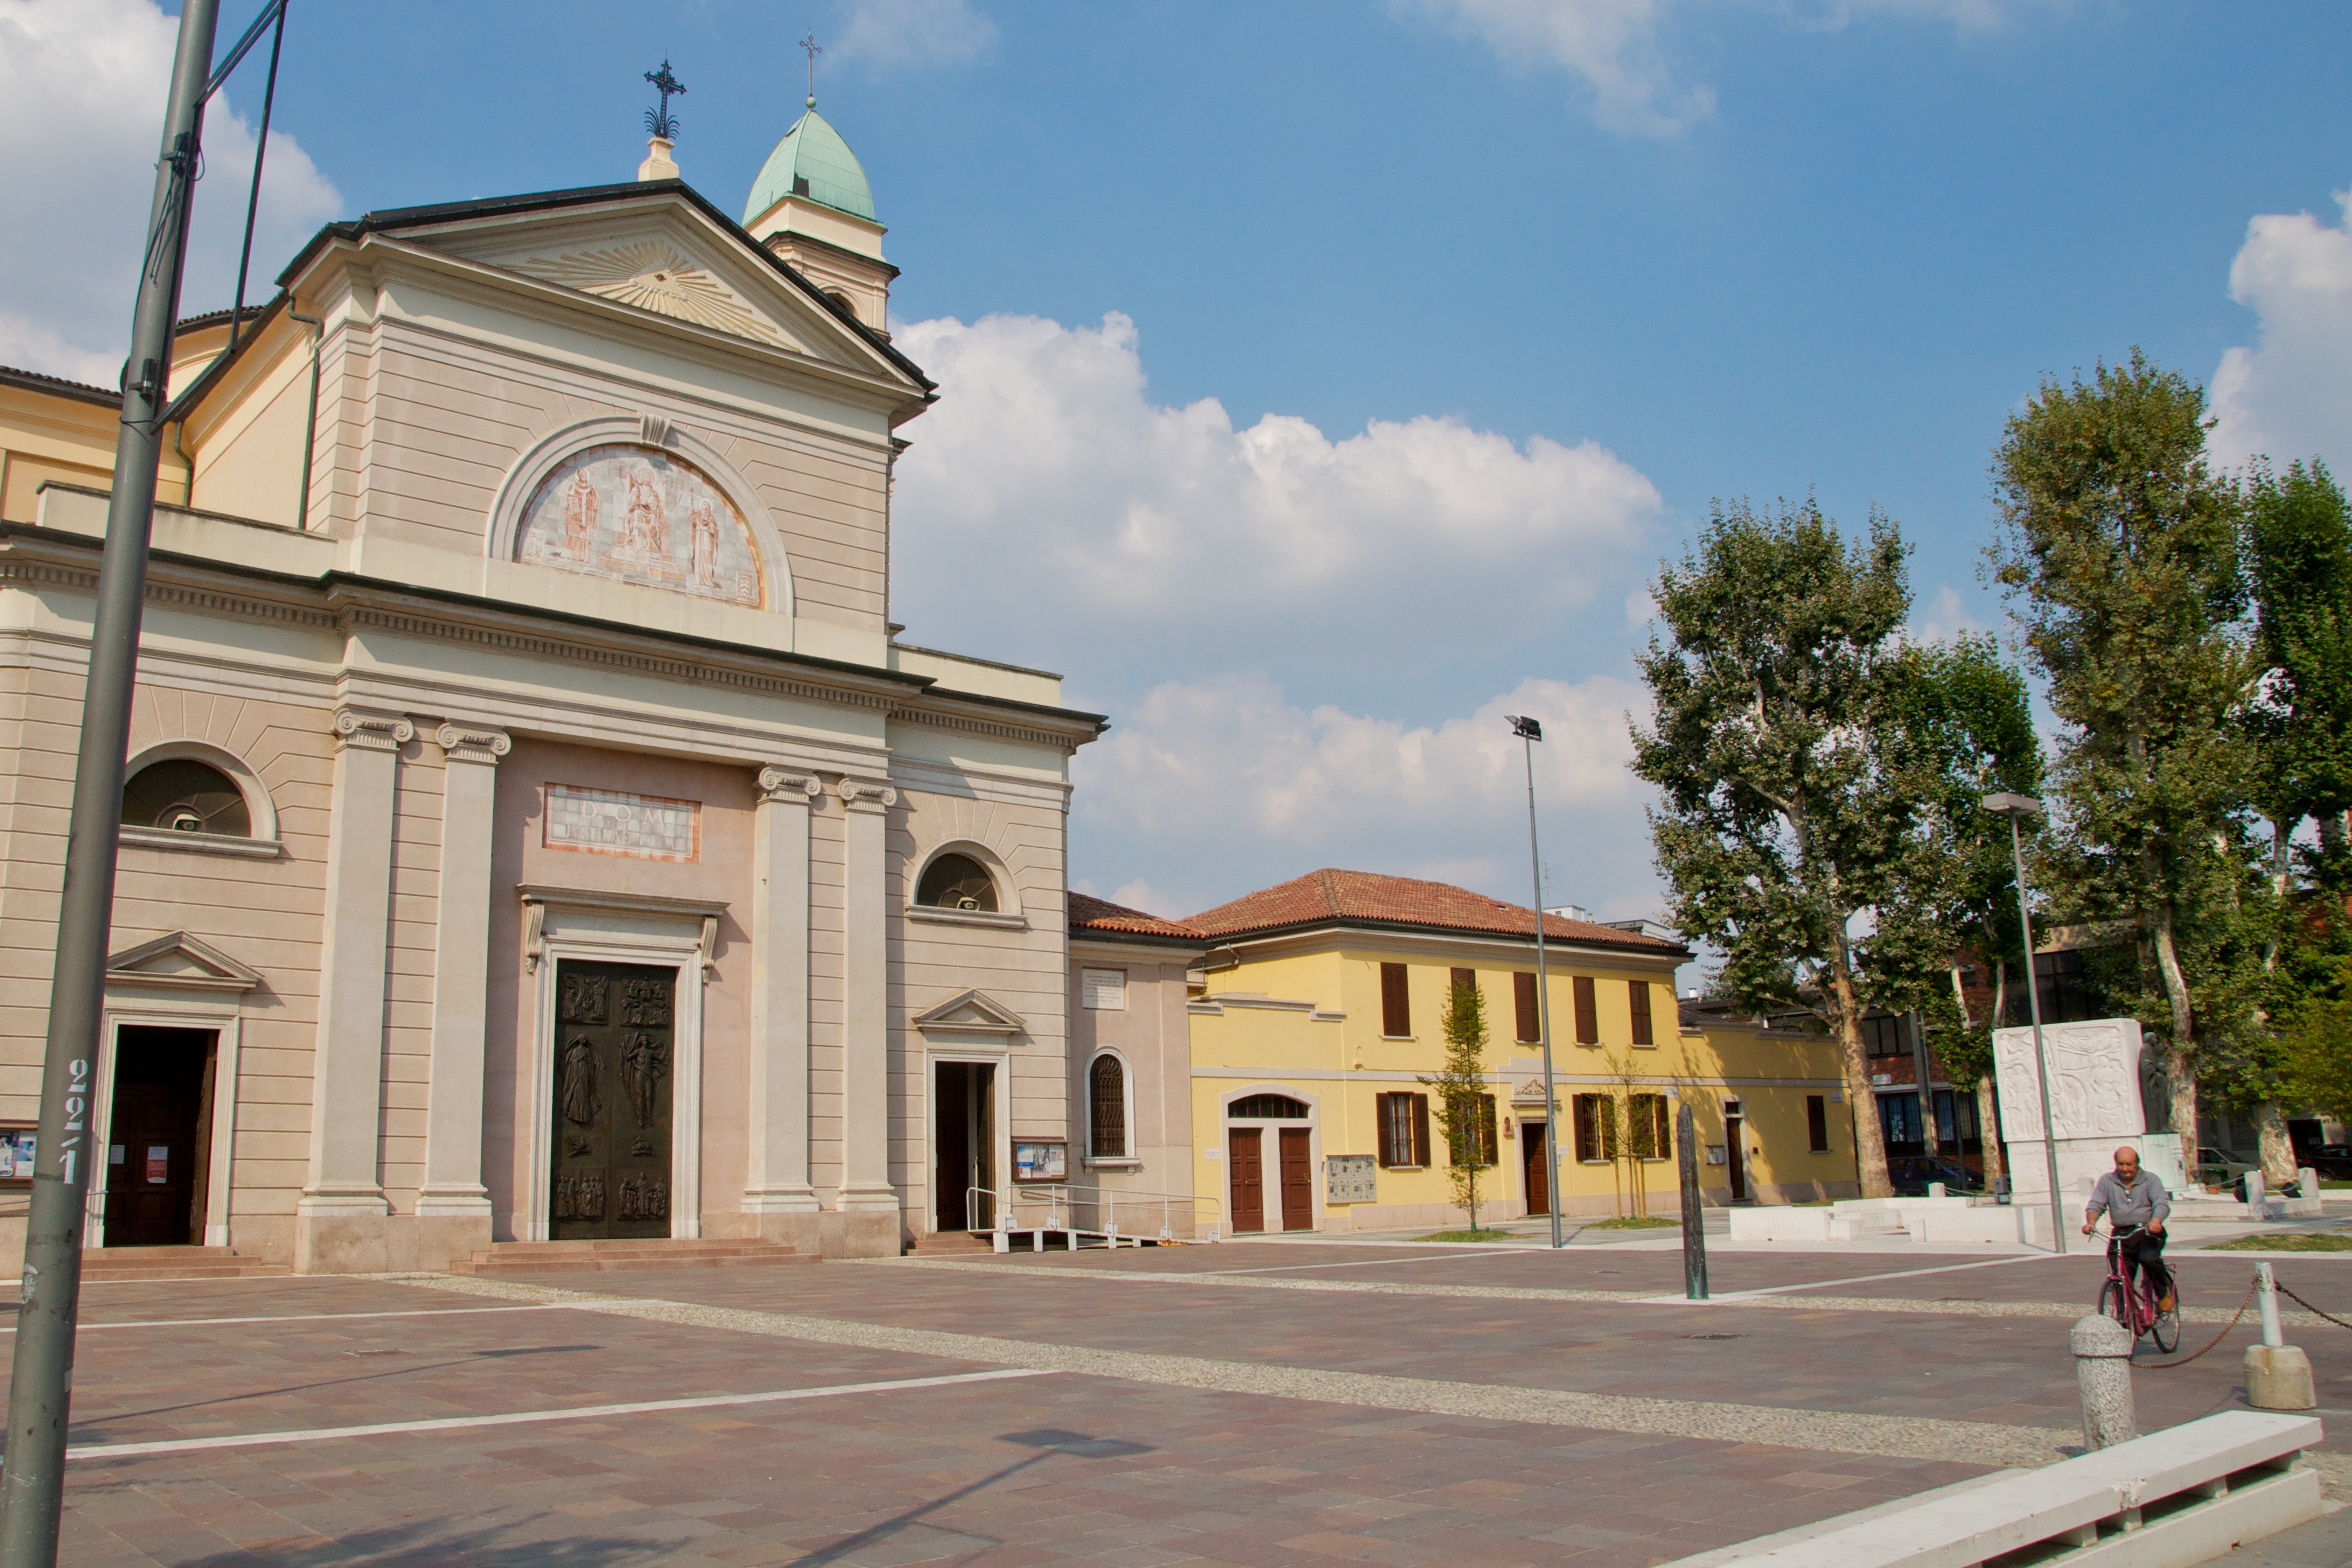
pixel 2013 807
pixel 32 1476
pixel 1529 732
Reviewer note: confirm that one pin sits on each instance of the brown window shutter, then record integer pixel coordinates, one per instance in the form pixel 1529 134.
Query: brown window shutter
pixel 1638 990
pixel 1490 1148
pixel 1396 1009
pixel 1465 979
pixel 1523 996
pixel 1588 1127
pixel 1421 1129
pixel 1383 1118
pixel 1817 1123
pixel 1588 1013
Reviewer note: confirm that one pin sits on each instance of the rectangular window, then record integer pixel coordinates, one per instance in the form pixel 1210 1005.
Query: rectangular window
pixel 1882 1036
pixel 1588 1013
pixel 1396 1011
pixel 1653 1136
pixel 1596 1128
pixel 1403 1129
pixel 1817 1123
pixel 1103 989
pixel 1638 991
pixel 1523 1002
pixel 1478 1135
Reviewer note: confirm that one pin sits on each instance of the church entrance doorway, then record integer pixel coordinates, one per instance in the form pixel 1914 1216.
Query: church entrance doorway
pixel 963 1137
pixel 613 1140
pixel 159 1143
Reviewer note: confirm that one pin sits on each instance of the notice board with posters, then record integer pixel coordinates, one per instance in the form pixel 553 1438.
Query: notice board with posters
pixel 1350 1178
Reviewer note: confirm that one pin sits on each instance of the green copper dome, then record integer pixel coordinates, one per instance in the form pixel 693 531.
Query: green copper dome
pixel 813 162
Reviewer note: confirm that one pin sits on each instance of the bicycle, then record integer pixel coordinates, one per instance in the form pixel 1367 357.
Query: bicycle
pixel 2122 1299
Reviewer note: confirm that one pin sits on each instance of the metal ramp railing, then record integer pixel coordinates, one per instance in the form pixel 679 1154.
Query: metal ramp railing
pixel 1092 1216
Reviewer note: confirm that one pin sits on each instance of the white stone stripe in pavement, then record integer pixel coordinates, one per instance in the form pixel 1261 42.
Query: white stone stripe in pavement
pixel 87 1327
pixel 520 1418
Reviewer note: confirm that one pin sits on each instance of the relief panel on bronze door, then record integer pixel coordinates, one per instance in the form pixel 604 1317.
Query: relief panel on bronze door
pixel 614 1032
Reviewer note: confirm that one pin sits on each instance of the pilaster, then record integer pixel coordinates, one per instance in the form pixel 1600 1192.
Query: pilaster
pixel 338 1221
pixel 776 1180
pixel 461 958
pixel 865 1011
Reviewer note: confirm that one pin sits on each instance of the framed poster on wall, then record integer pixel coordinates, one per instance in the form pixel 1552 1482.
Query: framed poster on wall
pixel 1040 1159
pixel 17 1144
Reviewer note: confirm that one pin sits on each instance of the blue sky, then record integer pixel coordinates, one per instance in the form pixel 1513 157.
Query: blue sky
pixel 1490 296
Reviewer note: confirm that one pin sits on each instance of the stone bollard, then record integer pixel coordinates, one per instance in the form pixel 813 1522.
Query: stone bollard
pixel 2306 1183
pixel 2278 1374
pixel 2103 1350
pixel 2255 1193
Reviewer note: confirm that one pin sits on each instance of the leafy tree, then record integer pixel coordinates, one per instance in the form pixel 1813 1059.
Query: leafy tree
pixel 1465 1106
pixel 1788 828
pixel 1968 732
pixel 2120 557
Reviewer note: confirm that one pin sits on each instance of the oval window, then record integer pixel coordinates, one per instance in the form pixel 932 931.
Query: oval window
pixel 957 881
pixel 185 797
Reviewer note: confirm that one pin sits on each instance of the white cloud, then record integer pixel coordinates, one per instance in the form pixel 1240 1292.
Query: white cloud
pixel 1141 894
pixel 1047 476
pixel 1278 789
pixel 1618 48
pixel 2290 395
pixel 914 35
pixel 90 76
pixel 1612 45
pixel 1946 617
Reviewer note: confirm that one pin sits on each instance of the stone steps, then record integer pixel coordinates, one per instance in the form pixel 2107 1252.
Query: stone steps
pixel 115 1265
pixel 951 1244
pixel 505 1259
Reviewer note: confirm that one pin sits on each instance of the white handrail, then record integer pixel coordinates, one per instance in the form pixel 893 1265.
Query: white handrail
pixel 1065 1206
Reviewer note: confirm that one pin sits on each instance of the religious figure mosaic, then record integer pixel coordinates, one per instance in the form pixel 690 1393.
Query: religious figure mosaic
pixel 640 515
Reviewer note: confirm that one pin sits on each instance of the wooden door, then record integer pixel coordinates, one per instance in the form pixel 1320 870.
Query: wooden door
pixel 611 1110
pixel 1247 1173
pixel 1732 1128
pixel 1537 1169
pixel 951 1145
pixel 1297 1180
pixel 154 1168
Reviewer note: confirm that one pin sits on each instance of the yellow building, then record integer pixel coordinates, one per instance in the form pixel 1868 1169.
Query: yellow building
pixel 1318 1010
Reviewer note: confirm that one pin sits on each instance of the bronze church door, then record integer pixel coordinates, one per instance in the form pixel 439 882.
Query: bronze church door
pixel 613 1078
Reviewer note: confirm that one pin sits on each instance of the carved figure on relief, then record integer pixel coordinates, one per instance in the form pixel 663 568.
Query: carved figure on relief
pixel 580 1098
pixel 640 515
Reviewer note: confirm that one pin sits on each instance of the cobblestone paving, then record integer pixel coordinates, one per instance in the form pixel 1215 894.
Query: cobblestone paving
pixel 1525 1414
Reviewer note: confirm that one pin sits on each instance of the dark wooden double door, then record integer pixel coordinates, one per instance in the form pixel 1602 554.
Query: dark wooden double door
pixel 614 1034
pixel 1246 1155
pixel 159 1138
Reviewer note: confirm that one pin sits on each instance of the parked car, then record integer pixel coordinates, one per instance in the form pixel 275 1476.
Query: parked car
pixel 2332 1160
pixel 2220 1167
pixel 1911 1174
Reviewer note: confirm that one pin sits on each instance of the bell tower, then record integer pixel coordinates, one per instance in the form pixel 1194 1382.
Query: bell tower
pixel 812 206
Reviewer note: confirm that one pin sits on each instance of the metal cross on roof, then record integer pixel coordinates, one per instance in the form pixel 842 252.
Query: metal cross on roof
pixel 814 49
pixel 660 121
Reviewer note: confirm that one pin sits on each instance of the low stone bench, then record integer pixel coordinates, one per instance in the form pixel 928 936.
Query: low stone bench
pixel 2183 1496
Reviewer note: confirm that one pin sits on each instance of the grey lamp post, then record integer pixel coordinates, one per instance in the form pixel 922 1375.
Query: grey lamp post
pixel 1529 732
pixel 2014 806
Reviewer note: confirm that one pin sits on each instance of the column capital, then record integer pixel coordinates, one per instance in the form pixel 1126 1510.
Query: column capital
pixel 472 743
pixel 867 795
pixel 790 787
pixel 371 731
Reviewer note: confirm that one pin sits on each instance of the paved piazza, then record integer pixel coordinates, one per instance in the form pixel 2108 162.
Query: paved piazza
pixel 1254 1402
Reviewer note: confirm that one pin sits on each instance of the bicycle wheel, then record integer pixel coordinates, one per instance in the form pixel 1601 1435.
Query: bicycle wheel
pixel 2111 1303
pixel 2166 1332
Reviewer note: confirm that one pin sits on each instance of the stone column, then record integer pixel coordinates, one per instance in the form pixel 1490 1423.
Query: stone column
pixel 339 1222
pixel 453 1188
pixel 776 1176
pixel 869 1201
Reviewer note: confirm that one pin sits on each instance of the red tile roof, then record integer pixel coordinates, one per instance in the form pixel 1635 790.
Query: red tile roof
pixel 1089 913
pixel 1368 898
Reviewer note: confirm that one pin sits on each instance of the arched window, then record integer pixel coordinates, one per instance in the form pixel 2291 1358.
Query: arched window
pixel 1107 1108
pixel 186 797
pixel 957 881
pixel 1267 1107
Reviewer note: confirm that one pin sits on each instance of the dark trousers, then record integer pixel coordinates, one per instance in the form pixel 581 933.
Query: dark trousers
pixel 2145 1251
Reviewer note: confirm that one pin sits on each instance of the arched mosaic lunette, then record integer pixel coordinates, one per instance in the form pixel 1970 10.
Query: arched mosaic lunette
pixel 641 515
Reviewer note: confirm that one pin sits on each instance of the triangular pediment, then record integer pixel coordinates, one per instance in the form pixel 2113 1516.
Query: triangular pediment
pixel 181 961
pixel 662 253
pixel 972 1012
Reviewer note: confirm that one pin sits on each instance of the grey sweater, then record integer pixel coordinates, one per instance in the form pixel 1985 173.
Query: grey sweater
pixel 2125 1207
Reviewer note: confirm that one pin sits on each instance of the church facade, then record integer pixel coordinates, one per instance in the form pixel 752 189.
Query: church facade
pixel 536 827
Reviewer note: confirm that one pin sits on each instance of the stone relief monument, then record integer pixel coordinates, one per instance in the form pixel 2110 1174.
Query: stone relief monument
pixel 2096 1081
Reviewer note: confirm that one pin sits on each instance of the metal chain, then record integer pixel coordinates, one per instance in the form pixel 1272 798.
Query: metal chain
pixel 2307 1307
pixel 2217 1339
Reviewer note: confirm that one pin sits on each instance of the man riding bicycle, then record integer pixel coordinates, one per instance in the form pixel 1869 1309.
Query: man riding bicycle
pixel 2129 1197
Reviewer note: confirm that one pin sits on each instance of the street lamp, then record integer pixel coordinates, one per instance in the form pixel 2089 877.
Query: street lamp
pixel 2014 806
pixel 1529 732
